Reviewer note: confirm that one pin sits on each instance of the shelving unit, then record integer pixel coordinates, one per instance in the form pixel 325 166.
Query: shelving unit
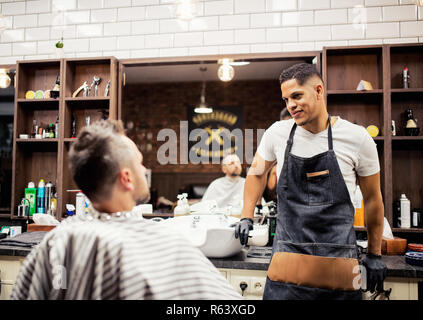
pixel 76 71
pixel 35 159
pixel 400 156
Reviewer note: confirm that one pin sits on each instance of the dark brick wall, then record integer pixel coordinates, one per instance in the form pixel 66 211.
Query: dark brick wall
pixel 153 107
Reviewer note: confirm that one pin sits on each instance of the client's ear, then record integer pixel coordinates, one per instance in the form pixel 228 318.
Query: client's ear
pixel 125 178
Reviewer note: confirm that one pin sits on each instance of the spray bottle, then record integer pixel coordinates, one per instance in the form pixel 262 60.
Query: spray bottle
pixel 183 207
pixel 41 191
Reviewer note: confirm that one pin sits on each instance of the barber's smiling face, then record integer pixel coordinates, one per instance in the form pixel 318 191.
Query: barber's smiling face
pixel 301 100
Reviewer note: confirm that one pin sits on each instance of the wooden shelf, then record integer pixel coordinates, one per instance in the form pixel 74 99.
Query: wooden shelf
pixel 45 140
pixel 20 100
pixel 379 138
pixel 408 230
pixel 409 90
pixel 354 92
pixel 407 138
pixel 88 99
pixel 70 139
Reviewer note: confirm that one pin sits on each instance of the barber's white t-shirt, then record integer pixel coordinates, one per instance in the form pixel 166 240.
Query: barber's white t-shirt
pixel 355 149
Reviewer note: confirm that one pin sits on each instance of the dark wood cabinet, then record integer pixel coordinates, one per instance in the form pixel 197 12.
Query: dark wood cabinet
pixel 47 158
pixel 382 65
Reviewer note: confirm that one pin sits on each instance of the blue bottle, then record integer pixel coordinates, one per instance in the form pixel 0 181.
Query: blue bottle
pixel 41 193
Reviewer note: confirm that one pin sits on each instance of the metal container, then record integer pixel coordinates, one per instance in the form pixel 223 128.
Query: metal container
pixel 23 208
pixel 49 195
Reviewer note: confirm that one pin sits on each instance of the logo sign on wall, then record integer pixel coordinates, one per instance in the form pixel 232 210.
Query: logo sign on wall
pixel 213 135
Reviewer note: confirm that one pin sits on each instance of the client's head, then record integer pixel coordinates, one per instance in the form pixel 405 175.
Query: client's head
pixel 231 165
pixel 107 166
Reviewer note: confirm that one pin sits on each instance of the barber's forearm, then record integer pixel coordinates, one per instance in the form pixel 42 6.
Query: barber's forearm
pixel 253 189
pixel 374 219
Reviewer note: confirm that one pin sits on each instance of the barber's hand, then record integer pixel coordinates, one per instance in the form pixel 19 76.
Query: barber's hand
pixel 242 229
pixel 375 272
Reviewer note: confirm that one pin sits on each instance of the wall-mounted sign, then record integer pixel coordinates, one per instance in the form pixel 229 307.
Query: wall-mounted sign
pixel 213 135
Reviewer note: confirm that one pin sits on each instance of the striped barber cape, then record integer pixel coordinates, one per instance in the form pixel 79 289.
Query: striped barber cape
pixel 123 258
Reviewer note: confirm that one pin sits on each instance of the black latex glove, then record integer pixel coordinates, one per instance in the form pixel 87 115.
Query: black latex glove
pixel 242 229
pixel 375 272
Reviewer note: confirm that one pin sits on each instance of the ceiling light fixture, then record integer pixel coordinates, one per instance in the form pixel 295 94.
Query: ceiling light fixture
pixel 225 72
pixel 203 107
pixel 186 9
pixel 4 79
pixel 419 3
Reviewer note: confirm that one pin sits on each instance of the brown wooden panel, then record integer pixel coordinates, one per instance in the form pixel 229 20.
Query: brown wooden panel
pixel 407 171
pixel 400 103
pixel 78 71
pixel 37 76
pixel 364 110
pixel 344 71
pixel 412 57
pixel 168 184
pixel 34 161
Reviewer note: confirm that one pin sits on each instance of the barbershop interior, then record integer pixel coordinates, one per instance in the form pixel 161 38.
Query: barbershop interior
pixel 277 144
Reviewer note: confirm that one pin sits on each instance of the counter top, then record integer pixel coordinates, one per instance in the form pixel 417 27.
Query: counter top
pixel 397 267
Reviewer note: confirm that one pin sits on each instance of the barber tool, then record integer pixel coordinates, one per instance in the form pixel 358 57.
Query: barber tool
pixel 106 91
pixel 96 82
pixel 83 87
pixel 73 130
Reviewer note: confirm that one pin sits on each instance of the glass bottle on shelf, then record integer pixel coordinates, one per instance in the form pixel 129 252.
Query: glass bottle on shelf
pixel 411 128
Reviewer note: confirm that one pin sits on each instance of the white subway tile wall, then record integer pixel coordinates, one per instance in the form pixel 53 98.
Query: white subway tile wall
pixel 160 28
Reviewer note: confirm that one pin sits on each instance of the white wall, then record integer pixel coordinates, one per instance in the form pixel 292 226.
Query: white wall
pixel 151 28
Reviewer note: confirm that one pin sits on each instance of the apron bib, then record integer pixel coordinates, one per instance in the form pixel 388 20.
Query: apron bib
pixel 314 254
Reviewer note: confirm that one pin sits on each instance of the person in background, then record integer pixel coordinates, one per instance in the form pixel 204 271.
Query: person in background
pixel 319 161
pixel 110 253
pixel 229 189
pixel 269 193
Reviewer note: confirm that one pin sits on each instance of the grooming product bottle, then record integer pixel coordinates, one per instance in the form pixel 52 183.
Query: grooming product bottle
pixel 80 204
pixel 56 128
pixel 405 78
pixel 41 197
pixel 405 212
pixel 31 196
pixel 48 197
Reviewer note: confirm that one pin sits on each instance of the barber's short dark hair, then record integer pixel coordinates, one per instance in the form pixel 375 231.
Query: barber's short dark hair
pixel 96 157
pixel 300 72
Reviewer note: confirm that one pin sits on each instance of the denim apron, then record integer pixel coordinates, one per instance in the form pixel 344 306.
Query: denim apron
pixel 315 219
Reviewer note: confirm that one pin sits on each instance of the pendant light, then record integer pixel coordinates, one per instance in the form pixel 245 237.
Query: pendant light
pixel 226 71
pixel 203 107
pixel 4 79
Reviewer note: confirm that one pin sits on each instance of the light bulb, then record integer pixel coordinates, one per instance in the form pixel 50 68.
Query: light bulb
pixel 4 79
pixel 225 72
pixel 186 10
pixel 419 3
pixel 203 110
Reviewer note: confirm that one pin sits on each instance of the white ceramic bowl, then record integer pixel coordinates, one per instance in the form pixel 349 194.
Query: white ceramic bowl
pixel 23 136
pixel 259 235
